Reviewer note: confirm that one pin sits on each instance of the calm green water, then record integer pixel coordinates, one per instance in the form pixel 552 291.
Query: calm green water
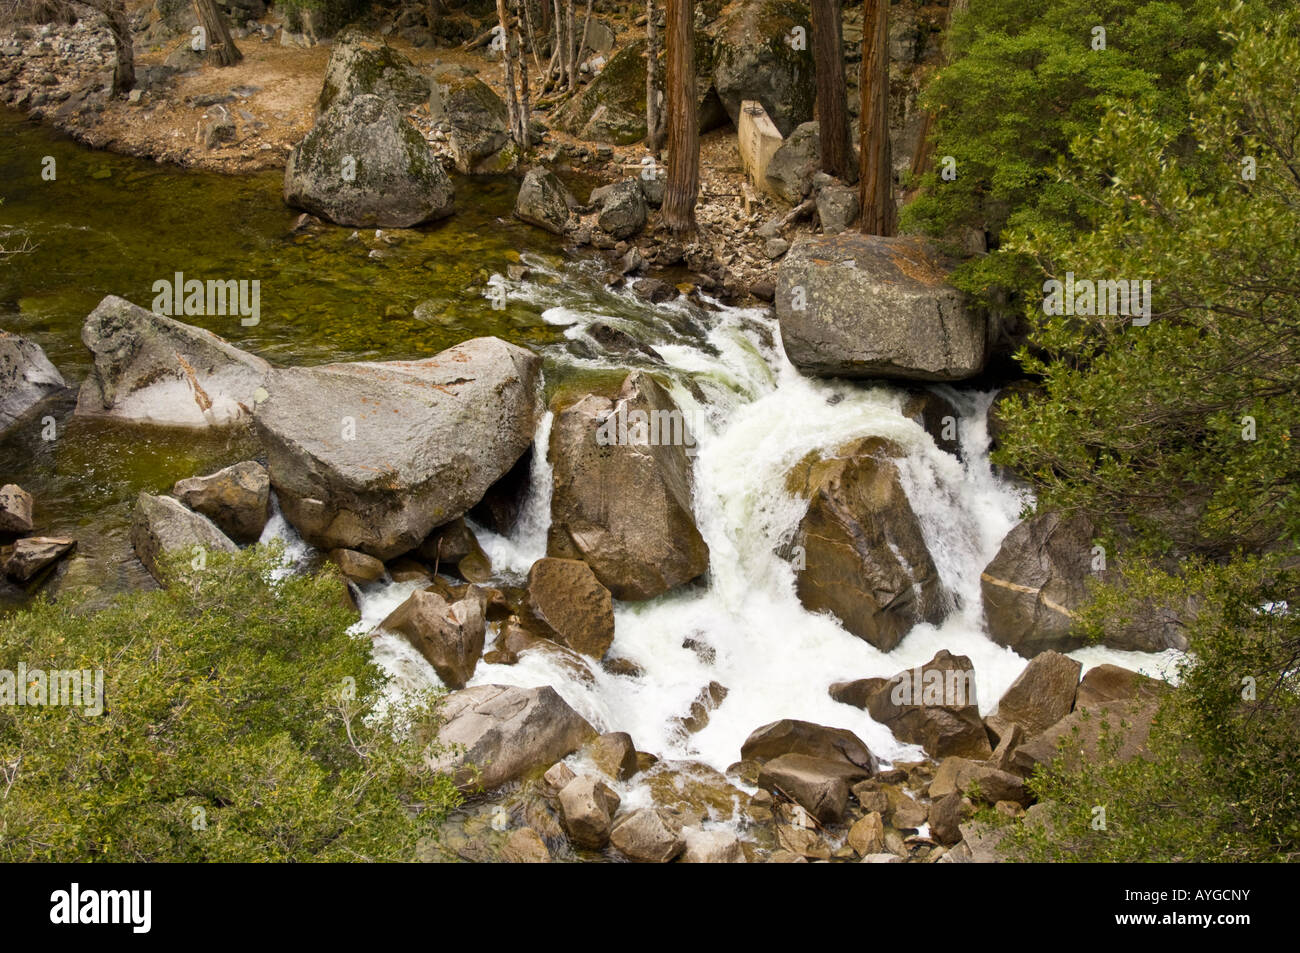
pixel 114 225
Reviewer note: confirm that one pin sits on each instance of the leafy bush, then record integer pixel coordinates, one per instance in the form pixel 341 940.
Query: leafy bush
pixel 1178 439
pixel 242 722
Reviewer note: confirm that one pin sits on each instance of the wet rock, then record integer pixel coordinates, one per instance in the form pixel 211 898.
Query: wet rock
pixel 753 61
pixel 373 456
pixel 507 733
pixel 28 557
pixel 161 523
pixel 516 641
pixel 361 64
pixel 864 556
pixel 1110 683
pixel 867 835
pixel 449 635
pixel 936 416
pixel 556 777
pixel 614 754
pixel 819 785
pixel 711 847
pixel 693 792
pixel 567 597
pixel 587 807
pixel 357 567
pixel 15 509
pixel 1043 693
pixel 974 779
pixel 364 164
pixel 26 378
pixel 791 736
pixel 150 369
pixel 543 201
pixel 864 306
pixel 479 136
pixel 622 506
pixel 648 836
pixel 622 208
pixel 1036 582
pixel 449 545
pixel 525 846
pixel 237 499
pixel 933 706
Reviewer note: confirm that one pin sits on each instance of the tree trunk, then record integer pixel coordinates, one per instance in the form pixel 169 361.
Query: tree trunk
pixel 525 106
pixel 921 154
pixel 571 48
pixel 508 65
pixel 832 92
pixel 221 49
pixel 561 45
pixel 653 105
pixel 119 27
pixel 683 185
pixel 875 186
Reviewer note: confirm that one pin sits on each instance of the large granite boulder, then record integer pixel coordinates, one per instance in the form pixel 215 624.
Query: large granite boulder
pixel 372 456
pixel 26 378
pixel 792 736
pixel 568 599
pixel 789 174
pixel 364 164
pixel 493 734
pixel 622 500
pixel 611 108
pixel 160 524
pixel 754 58
pixel 864 555
pixel 150 369
pixel 479 124
pixel 361 64
pixel 866 306
pixel 933 706
pixel 1042 695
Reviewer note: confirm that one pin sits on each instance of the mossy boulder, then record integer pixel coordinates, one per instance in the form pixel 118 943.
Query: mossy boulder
pixel 480 125
pixel 361 64
pixel 611 108
pixel 755 58
pixel 364 164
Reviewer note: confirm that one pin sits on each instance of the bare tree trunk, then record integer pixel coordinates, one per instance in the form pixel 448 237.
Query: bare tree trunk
pixel 525 106
pixel 571 49
pixel 561 44
pixel 683 185
pixel 875 186
pixel 532 37
pixel 653 106
pixel 586 25
pixel 119 27
pixel 221 49
pixel 832 92
pixel 508 64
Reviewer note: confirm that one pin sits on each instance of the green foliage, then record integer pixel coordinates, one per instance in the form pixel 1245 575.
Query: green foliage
pixel 242 722
pixel 1146 430
pixel 1023 82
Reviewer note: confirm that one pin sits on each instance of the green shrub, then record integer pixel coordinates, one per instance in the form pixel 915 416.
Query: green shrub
pixel 241 722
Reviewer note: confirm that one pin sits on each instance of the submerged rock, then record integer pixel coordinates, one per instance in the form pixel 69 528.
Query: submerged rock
pixel 506 733
pixel 865 306
pixel 933 706
pixel 621 503
pixel 364 164
pixel 26 378
pixel 150 369
pixel 864 555
pixel 373 456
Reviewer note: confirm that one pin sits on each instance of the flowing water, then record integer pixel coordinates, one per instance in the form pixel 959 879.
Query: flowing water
pixel 115 225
